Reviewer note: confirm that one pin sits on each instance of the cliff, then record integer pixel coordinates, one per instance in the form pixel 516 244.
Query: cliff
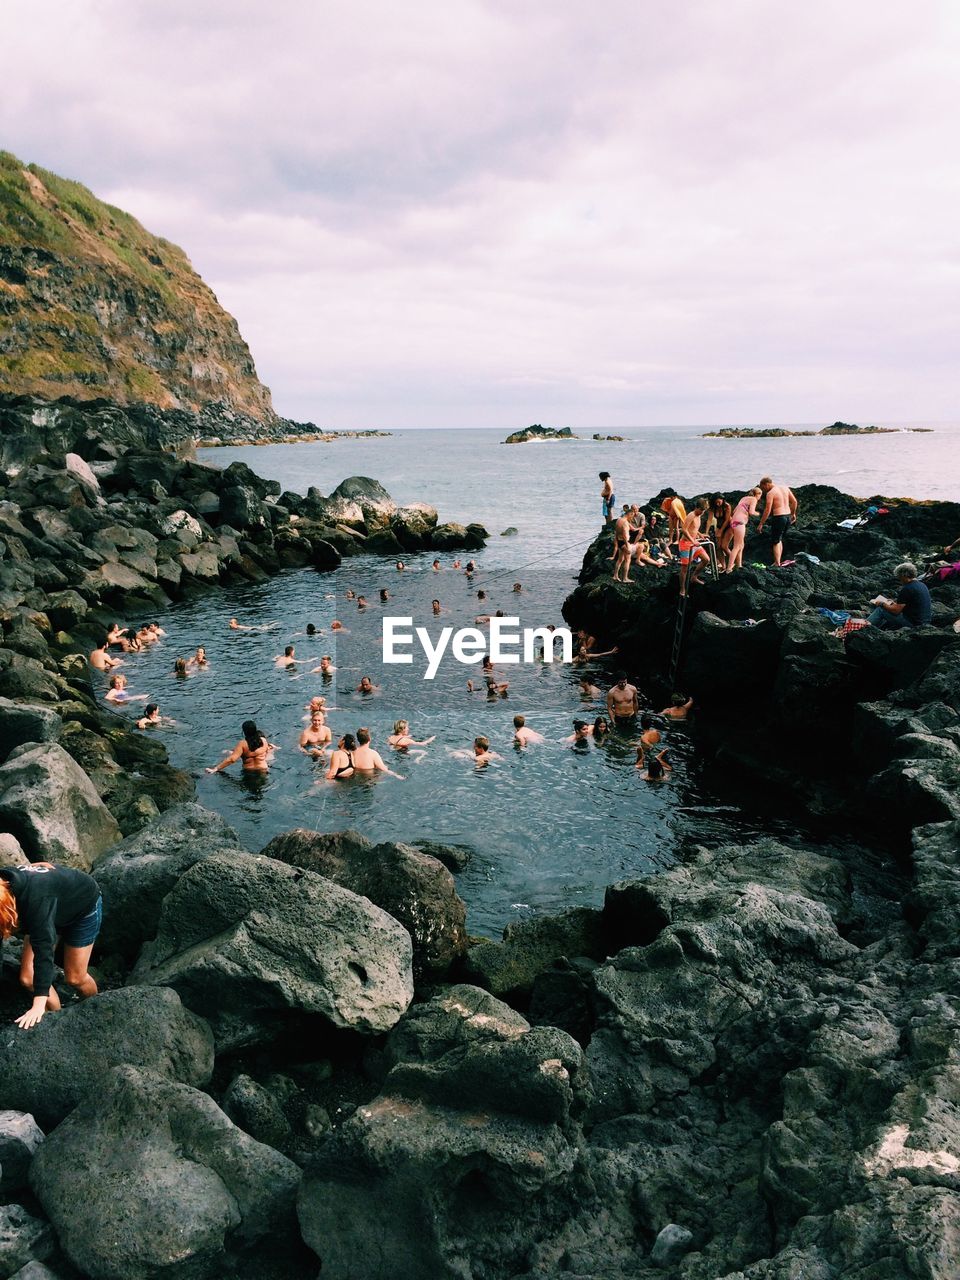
pixel 92 306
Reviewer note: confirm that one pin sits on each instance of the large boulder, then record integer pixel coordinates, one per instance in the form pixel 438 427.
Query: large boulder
pixel 466 1158
pixel 52 807
pixel 376 505
pixel 245 940
pixel 148 1178
pixel 50 1069
pixel 136 875
pixel 22 722
pixel 20 1135
pixel 414 888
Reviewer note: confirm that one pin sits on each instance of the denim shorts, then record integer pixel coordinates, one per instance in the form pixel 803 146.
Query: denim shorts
pixel 82 931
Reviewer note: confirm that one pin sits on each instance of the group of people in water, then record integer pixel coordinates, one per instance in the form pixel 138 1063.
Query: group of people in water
pixel 714 530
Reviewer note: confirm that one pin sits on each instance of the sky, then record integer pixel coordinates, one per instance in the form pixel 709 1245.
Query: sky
pixel 494 212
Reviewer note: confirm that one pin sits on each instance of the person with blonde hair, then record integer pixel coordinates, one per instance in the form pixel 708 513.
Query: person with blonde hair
pixel 43 901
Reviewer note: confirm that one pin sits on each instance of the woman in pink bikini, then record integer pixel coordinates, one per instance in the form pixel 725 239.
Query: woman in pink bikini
pixel 745 508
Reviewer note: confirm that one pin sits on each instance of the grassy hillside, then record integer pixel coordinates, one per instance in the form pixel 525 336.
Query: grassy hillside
pixel 92 304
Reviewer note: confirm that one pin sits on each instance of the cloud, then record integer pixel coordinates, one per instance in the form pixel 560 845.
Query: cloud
pixel 484 213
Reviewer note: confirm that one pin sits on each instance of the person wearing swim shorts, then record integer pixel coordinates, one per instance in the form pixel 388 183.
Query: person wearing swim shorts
pixel 43 901
pixel 623 701
pixel 780 508
pixel 608 499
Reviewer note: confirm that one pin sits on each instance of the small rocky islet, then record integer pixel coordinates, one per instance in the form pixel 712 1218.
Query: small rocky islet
pixel 835 429
pixel 741 1067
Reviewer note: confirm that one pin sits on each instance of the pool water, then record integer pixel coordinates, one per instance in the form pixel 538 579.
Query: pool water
pixel 548 827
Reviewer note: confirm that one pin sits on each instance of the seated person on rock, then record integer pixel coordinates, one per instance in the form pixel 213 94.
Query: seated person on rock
pixel 912 607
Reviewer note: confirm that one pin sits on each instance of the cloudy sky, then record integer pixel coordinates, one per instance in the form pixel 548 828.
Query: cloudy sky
pixel 493 212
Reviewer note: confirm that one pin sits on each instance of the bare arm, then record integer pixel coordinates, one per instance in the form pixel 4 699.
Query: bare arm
pixel 767 508
pixel 232 758
pixel 792 499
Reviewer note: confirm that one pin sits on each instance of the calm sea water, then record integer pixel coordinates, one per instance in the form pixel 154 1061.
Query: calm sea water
pixel 548 827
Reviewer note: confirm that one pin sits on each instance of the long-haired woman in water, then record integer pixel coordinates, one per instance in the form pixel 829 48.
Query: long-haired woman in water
pixel 253 750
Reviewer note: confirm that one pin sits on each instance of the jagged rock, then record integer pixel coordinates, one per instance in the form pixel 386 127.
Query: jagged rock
pixel 453 537
pixel 35 1271
pixel 182 522
pixel 509 968
pixel 670 1245
pixel 465 1159
pixel 25 679
pixel 11 851
pixel 23 1239
pixel 81 469
pixel 245 938
pixel 52 807
pixel 414 888
pixel 20 1135
pixel 21 723
pixel 243 509
pixel 170 1183
pixel 137 874
pixel 63 1059
pixel 255 1110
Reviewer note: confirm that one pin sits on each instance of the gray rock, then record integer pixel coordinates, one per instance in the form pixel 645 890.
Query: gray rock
pixel 25 722
pixel 255 1110
pixel 670 1245
pixel 463 1162
pixel 48 1070
pixel 11 851
pixel 414 888
pixel 52 807
pixel 169 1182
pixel 23 1239
pixel 245 938
pixel 20 1135
pixel 77 467
pixel 35 1271
pixel 137 874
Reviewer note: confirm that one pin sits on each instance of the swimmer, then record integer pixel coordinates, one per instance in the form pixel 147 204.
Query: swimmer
pixel 312 631
pixel 657 767
pixel 234 625
pixel 585 654
pixel 588 689
pixel 517 586
pixel 650 735
pixel 180 668
pixel 480 755
pixel 679 708
pixel 361 602
pixel 400 739
pixel 146 635
pixel 157 630
pixel 400 566
pixel 456 564
pixel 481 595
pixel 436 566
pixel 582 733
pixel 118 691
pixel 326 667
pixel 523 736
pixel 314 739
pixel 253 750
pixel 367 687
pixel 496 688
pixel 366 760
pixel 341 760
pixel 435 605
pixel 199 659
pixel 384 595
pixel 337 625
pixel 319 703
pixel 117 637
pixel 100 660
pixel 151 718
pixel 287 660
pixel 350 594
pixel 600 728
pixel 623 701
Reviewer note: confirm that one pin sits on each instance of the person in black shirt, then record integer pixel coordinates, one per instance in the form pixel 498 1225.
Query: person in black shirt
pixel 912 607
pixel 44 900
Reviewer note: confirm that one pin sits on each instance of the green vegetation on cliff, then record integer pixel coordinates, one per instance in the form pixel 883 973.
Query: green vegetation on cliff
pixel 92 305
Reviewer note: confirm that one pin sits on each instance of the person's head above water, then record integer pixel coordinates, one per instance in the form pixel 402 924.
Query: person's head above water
pixel 400 727
pixel 180 667
pixel 363 736
pixel 252 734
pixel 646 721
pixel 384 594
pixel 311 629
pixel 288 651
pixel 481 744
pixel 677 699
pixel 519 722
pixel 348 742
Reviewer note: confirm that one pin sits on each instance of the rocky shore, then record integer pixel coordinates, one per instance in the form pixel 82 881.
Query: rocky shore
pixel 743 1067
pixel 837 429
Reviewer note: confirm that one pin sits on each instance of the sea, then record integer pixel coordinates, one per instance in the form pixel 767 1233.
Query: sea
pixel 544 828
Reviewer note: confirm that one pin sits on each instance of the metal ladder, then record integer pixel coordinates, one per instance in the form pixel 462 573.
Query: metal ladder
pixel 682 611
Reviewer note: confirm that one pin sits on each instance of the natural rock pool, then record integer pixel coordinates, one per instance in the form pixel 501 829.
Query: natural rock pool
pixel 548 827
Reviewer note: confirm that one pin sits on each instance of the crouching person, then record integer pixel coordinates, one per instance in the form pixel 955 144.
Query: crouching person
pixel 44 901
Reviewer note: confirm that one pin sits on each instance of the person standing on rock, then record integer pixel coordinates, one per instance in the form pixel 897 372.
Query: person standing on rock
pixel 608 499
pixel 743 512
pixel 780 508
pixel 44 900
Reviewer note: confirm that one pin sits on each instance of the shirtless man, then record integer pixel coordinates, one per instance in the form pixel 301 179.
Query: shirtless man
pixel 649 733
pixel 679 707
pixel 287 660
pixel 780 508
pixel 608 499
pixel 588 689
pixel 436 566
pixel 316 736
pixel 366 687
pixel 523 736
pixel 100 660
pixel 692 556
pixel 326 667
pixel 623 701
pixel 582 733
pixel 435 605
pixel 481 753
pixel 366 760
